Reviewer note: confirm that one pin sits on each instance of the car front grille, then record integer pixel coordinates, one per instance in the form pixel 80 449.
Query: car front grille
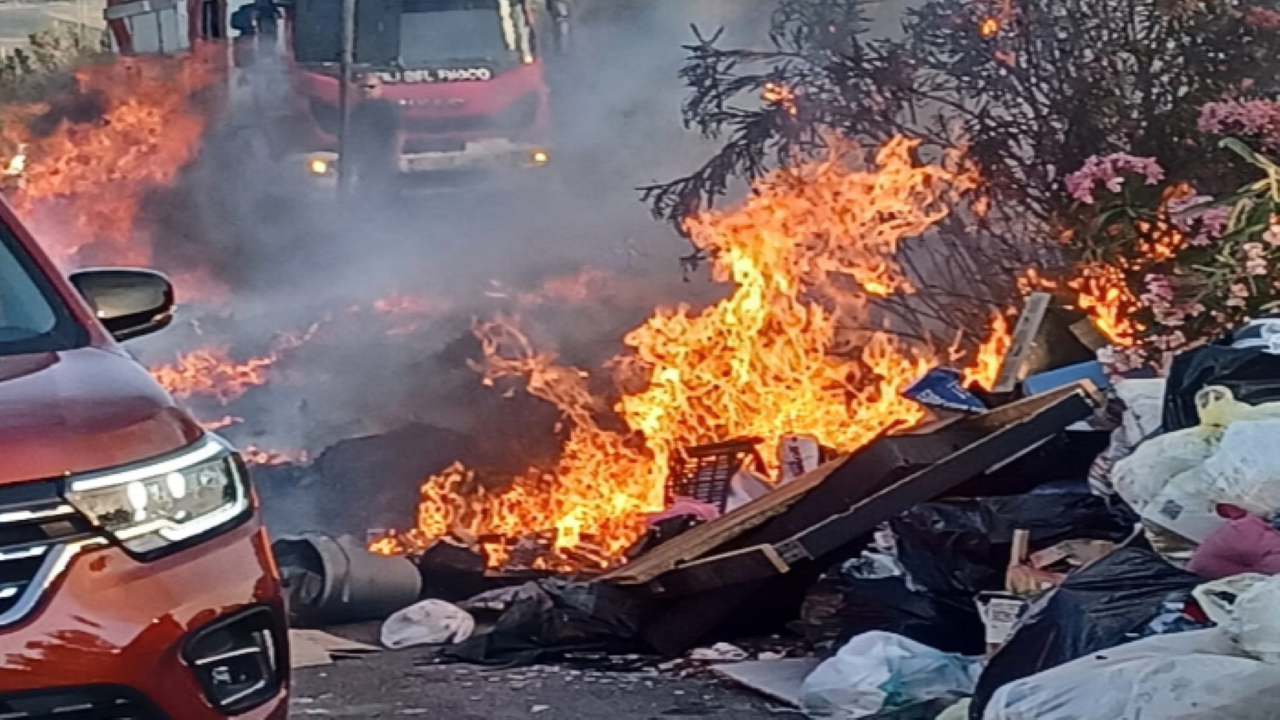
pixel 103 703
pixel 36 527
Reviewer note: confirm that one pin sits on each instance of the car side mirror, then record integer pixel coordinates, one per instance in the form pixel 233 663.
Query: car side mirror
pixel 130 303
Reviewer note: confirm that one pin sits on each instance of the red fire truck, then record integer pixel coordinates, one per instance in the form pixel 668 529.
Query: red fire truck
pixel 469 76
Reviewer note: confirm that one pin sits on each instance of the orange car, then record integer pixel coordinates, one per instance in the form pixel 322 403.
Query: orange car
pixel 136 580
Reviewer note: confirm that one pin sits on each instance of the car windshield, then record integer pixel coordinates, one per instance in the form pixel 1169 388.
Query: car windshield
pixel 443 32
pixel 32 317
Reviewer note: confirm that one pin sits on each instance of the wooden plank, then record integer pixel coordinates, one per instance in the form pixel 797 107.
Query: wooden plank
pixel 1024 338
pixel 828 536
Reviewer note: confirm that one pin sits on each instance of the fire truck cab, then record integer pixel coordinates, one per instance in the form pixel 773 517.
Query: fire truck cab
pixel 469 77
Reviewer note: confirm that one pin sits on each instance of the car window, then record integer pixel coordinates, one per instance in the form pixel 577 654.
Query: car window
pixel 32 316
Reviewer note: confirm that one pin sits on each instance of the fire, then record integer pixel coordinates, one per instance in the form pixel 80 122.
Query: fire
pixel 780 95
pixel 211 372
pixel 985 369
pixel 798 346
pixel 82 182
pixel 1105 296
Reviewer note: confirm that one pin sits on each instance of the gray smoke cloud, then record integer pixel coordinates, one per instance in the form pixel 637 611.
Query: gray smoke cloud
pixel 293 258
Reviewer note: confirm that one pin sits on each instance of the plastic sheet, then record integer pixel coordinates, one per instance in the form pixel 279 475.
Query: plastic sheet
pixel 1096 608
pixel 839 608
pixel 880 671
pixel 549 618
pixel 1198 675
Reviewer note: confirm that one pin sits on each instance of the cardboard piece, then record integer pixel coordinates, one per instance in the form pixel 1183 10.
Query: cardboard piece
pixel 312 648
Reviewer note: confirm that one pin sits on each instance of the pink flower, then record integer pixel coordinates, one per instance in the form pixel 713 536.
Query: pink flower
pixel 1252 118
pixel 1109 170
pixel 1200 223
pixel 1272 235
pixel 1262 18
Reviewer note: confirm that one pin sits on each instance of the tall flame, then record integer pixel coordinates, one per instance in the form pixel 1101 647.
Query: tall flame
pixel 82 183
pixel 800 345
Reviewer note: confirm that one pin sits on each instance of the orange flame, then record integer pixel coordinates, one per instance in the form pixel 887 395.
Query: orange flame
pixel 799 346
pixel 780 95
pixel 211 372
pixel 82 185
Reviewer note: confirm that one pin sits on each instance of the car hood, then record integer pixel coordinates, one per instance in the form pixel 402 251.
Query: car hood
pixel 82 410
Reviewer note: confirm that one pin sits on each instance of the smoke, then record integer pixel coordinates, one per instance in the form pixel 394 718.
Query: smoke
pixel 291 257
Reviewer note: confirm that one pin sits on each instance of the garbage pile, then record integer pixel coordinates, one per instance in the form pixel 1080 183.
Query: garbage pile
pixel 1074 546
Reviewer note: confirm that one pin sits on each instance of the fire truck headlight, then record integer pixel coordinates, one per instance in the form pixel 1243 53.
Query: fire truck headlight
pixel 319 166
pixel 539 157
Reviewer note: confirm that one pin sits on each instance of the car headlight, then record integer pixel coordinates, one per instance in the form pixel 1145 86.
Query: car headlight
pixel 166 501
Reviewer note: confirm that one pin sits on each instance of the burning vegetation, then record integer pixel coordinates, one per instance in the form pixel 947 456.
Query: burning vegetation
pixel 802 344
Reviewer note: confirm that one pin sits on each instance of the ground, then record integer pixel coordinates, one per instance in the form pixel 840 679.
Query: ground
pixel 397 684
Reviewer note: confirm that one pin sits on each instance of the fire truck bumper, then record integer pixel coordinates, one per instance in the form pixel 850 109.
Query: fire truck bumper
pixel 489 159
pixel 493 155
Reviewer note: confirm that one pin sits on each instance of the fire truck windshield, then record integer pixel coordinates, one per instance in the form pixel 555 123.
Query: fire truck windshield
pixel 436 31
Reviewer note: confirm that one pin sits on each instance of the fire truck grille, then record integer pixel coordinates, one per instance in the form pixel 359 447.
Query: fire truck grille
pixel 78 704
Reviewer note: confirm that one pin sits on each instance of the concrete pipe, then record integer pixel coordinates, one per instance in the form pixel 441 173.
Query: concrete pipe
pixel 332 581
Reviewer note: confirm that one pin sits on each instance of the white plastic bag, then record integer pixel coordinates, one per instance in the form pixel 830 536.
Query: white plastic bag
pixel 1176 480
pixel 1244 470
pixel 1198 675
pixel 879 671
pixel 1143 400
pixel 1247 609
pixel 430 622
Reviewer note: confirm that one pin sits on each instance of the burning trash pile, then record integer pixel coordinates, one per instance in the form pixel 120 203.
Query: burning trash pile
pixel 800 347
pixel 1035 536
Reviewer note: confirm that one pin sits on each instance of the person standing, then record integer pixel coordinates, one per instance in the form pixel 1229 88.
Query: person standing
pixel 376 138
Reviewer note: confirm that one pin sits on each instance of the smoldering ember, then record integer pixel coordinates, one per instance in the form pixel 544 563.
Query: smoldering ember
pixel 630 359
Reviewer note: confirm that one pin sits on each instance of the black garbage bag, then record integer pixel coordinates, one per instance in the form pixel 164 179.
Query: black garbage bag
pixel 1098 607
pixel 962 547
pixel 1252 376
pixel 838 608
pixel 551 618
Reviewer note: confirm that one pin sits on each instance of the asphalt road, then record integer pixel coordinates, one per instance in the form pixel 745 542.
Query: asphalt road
pixel 392 685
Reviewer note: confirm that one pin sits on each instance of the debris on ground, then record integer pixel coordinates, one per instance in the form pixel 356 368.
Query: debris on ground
pixel 1031 553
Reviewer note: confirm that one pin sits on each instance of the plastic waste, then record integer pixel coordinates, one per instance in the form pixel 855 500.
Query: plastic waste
pixel 1252 376
pixel 879 671
pixel 1097 607
pixel 430 622
pixel 1246 544
pixel 959 711
pixel 1197 675
pixel 1177 480
pixel 1245 468
pixel 840 607
pixel 1245 608
pixel 963 546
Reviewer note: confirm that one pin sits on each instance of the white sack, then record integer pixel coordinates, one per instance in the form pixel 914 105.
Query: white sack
pixel 878 671
pixel 430 622
pixel 1198 675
